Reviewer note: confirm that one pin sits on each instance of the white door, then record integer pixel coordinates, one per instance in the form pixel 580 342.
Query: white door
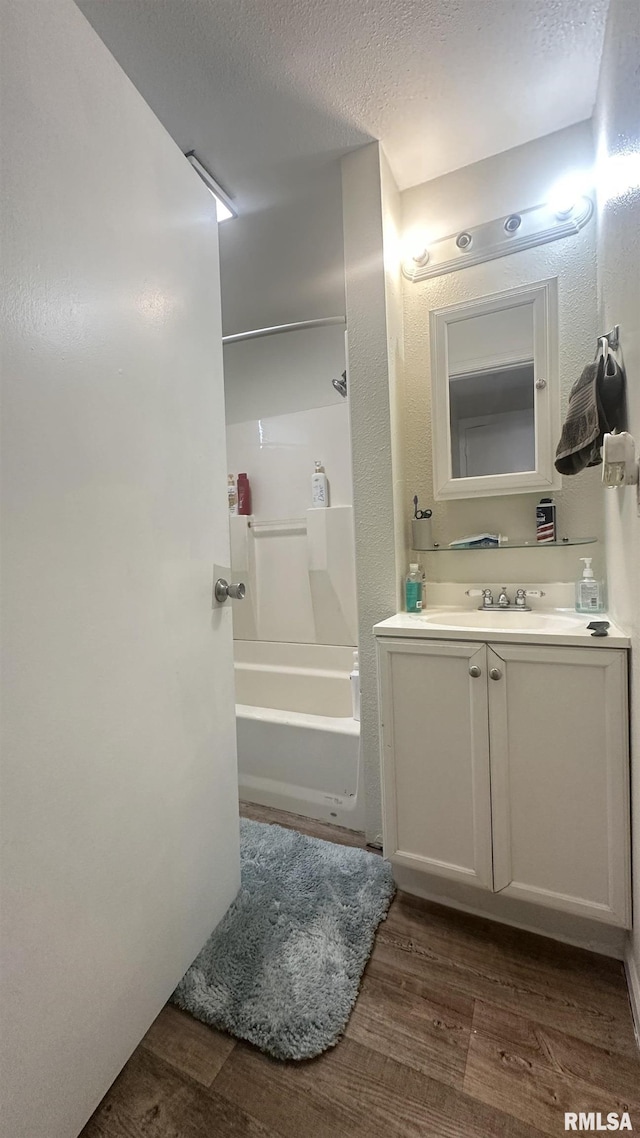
pixel 119 797
pixel 560 778
pixel 436 810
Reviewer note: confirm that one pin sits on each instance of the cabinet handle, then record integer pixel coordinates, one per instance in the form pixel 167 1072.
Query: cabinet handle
pixel 475 671
pixel 495 674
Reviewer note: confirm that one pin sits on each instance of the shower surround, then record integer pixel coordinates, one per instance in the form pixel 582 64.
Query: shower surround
pixel 295 632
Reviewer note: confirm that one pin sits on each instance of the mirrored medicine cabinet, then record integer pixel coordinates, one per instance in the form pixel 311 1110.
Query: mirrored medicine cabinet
pixel 495 393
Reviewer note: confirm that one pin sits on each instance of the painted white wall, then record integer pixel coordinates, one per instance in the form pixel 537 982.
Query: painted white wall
pixel 285 263
pixel 119 792
pixel 391 206
pixel 617 134
pixel 497 186
pixel 373 475
pixel 279 375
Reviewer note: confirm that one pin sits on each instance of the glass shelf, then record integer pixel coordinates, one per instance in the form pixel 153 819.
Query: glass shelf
pixel 522 543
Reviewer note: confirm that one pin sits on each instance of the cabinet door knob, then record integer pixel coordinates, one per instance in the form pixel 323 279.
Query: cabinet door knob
pixel 475 671
pixel 495 674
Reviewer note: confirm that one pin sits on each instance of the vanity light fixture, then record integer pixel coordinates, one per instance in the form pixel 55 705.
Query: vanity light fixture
pixel 224 208
pixel 522 230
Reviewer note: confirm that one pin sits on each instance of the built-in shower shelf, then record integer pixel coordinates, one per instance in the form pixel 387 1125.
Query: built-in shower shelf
pixel 519 543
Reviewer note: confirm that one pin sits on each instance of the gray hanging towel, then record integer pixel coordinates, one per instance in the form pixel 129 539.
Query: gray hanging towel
pixel 596 405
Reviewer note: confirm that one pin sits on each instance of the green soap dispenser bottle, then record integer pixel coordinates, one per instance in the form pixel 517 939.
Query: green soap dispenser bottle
pixel 413 588
pixel 589 592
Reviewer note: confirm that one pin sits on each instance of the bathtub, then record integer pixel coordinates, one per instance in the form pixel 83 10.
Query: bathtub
pixel 298 745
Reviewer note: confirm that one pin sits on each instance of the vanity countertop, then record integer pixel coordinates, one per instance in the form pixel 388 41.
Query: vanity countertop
pixel 550 626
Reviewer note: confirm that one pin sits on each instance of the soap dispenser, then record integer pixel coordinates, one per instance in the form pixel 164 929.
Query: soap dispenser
pixel 589 592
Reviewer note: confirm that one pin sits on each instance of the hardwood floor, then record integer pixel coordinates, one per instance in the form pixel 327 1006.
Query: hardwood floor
pixel 462 1029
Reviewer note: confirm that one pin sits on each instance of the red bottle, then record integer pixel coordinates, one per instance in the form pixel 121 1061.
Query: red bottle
pixel 244 494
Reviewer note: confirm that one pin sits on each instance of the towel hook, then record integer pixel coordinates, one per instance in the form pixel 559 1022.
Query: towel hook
pixel 611 338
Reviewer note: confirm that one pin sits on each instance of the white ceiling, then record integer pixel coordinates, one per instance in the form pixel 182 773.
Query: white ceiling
pixel 268 91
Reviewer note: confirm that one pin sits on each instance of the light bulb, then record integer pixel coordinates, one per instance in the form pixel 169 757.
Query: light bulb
pixel 415 247
pixel 566 192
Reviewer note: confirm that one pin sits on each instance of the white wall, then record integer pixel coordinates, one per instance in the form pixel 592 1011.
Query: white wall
pixel 495 187
pixel 119 785
pixel 285 263
pixel 373 473
pixel 391 206
pixel 617 133
pixel 278 375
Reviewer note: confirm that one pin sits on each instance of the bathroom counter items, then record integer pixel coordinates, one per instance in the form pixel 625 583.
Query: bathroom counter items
pixel 544 626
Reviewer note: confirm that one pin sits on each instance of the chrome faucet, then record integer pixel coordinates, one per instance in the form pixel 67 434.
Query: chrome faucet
pixel 503 603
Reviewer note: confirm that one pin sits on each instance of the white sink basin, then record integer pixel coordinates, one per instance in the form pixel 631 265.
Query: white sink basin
pixel 509 620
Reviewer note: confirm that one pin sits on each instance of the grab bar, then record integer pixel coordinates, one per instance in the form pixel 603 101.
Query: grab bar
pixel 279 526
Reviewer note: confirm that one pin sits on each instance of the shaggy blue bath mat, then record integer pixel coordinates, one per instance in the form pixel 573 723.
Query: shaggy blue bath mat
pixel 283 967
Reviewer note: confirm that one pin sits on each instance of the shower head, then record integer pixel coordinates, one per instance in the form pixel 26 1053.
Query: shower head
pixel 341 385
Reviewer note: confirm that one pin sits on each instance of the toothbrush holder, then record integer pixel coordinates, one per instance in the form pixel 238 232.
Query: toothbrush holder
pixel 421 536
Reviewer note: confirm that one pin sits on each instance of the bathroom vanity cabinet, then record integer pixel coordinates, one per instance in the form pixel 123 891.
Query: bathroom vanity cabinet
pixel 505 766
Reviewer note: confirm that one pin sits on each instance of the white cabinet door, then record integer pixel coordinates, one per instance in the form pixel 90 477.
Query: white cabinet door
pixel 437 815
pixel 559 778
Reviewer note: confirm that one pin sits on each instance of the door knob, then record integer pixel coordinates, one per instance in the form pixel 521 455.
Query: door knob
pixel 495 674
pixel 222 589
pixel 475 671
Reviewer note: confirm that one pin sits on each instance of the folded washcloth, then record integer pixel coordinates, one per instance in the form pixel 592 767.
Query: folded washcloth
pixel 596 404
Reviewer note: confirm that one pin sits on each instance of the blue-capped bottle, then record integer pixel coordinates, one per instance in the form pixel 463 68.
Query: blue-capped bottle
pixel 413 588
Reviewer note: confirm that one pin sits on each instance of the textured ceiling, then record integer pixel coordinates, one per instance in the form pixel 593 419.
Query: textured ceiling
pixel 266 91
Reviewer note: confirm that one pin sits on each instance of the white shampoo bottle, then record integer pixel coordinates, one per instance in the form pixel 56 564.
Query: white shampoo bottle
pixel 319 486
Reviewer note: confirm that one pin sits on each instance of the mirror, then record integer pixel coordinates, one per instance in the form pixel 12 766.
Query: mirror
pixel 495 394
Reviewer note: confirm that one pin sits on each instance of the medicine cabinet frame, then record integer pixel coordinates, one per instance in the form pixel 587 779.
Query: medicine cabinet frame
pixel 543 296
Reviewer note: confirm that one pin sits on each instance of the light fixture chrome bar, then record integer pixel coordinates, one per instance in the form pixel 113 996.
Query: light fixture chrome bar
pixel 225 207
pixel 298 326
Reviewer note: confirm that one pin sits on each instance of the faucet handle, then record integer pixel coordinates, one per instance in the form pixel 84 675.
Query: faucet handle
pixel 486 594
pixel 522 594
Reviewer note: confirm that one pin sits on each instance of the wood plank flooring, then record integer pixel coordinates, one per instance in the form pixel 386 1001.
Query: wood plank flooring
pixel 462 1029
